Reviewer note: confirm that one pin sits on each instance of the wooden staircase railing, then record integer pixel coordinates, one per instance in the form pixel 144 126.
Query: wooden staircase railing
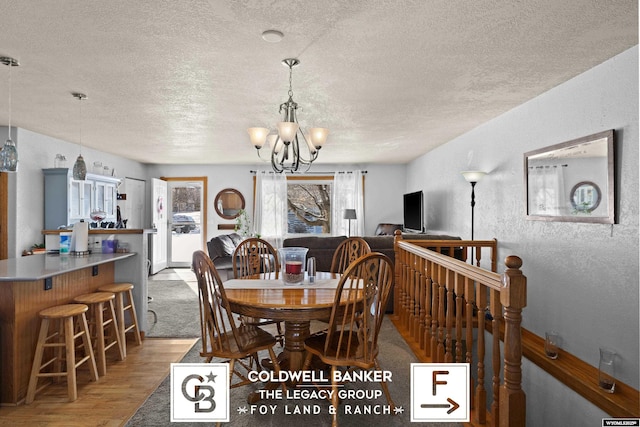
pixel 441 300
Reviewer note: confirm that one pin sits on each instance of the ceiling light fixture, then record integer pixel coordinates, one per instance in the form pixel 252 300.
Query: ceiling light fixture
pixel 285 145
pixel 9 152
pixel 80 167
pixel 272 36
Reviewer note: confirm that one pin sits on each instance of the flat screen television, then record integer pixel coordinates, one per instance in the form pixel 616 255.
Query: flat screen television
pixel 413 212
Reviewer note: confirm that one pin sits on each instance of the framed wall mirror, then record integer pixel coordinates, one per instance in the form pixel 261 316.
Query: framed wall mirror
pixel 572 181
pixel 228 203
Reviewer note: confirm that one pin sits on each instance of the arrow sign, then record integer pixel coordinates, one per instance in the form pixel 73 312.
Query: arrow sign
pixel 452 404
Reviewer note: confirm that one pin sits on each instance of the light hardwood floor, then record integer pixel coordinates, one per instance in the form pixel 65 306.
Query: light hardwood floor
pixel 110 401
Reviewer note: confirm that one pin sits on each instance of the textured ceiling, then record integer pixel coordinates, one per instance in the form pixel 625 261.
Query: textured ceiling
pixel 180 81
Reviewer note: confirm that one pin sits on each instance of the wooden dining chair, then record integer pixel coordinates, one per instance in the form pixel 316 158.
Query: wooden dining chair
pixel 255 258
pixel 348 251
pixel 351 341
pixel 221 337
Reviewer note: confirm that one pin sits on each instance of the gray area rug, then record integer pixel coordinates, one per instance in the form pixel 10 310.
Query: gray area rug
pixel 175 306
pixel 178 317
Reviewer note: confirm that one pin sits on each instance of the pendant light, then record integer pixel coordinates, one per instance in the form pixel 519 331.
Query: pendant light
pixel 80 167
pixel 9 152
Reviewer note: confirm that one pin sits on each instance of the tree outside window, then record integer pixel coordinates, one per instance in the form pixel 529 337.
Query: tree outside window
pixel 309 207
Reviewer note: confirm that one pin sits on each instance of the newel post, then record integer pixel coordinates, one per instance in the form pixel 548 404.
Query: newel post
pixel 397 267
pixel 513 297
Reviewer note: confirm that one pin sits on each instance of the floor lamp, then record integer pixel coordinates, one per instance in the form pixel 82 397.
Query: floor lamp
pixel 350 214
pixel 472 177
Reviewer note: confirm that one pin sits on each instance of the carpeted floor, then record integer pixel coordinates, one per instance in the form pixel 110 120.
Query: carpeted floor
pixel 175 305
pixel 178 316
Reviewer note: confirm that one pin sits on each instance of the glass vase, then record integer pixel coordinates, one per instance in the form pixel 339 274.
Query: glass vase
pixel 606 370
pixel 292 261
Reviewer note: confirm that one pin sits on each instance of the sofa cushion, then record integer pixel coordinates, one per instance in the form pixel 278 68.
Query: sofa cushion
pixel 320 247
pixel 223 263
pixel 223 246
pixel 236 239
pixel 315 242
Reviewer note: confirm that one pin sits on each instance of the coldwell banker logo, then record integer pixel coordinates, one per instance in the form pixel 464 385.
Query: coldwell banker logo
pixel 199 392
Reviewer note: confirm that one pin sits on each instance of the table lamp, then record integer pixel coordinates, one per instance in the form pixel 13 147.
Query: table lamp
pixel 350 214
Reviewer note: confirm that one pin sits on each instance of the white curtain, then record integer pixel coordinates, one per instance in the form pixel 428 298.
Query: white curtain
pixel 270 216
pixel 546 191
pixel 347 194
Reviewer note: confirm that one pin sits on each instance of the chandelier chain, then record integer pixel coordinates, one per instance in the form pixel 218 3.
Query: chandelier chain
pixel 80 97
pixel 80 102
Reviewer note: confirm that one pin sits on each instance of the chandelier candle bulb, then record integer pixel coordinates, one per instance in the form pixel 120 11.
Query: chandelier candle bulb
pixel 287 131
pixel 258 136
pixel 318 137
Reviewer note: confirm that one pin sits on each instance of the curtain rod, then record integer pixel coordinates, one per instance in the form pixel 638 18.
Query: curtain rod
pixel 547 166
pixel 312 173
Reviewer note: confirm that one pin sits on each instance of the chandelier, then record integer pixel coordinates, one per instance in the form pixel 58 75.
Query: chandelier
pixel 290 141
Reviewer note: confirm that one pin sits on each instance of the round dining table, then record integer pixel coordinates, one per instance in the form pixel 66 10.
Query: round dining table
pixel 296 306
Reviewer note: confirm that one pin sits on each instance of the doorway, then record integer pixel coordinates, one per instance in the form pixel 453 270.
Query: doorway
pixel 187 218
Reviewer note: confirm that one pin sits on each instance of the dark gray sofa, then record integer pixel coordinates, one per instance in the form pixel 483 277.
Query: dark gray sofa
pixel 221 250
pixel 322 248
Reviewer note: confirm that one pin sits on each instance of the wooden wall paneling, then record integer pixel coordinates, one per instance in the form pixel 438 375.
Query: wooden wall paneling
pixel 20 303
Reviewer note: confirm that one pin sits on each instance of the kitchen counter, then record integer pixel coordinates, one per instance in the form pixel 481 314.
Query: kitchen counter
pixel 104 231
pixel 40 267
pixel 32 283
pixel 134 270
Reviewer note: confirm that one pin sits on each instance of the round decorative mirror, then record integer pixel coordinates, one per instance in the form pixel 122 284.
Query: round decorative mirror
pixel 228 203
pixel 585 197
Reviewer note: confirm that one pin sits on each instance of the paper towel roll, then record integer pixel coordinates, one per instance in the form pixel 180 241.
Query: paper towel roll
pixel 80 237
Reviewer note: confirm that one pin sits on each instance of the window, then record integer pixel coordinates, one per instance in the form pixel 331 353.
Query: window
pixel 309 206
pixel 296 205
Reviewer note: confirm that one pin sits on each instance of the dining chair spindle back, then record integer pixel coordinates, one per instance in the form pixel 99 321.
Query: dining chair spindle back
pixel 348 251
pixel 351 341
pixel 255 258
pixel 221 337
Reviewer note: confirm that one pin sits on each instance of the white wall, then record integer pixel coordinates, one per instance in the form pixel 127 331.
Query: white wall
pixel 26 187
pixel 582 278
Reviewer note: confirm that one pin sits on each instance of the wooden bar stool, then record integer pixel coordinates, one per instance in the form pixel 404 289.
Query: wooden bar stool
pixel 96 303
pixel 120 289
pixel 66 334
